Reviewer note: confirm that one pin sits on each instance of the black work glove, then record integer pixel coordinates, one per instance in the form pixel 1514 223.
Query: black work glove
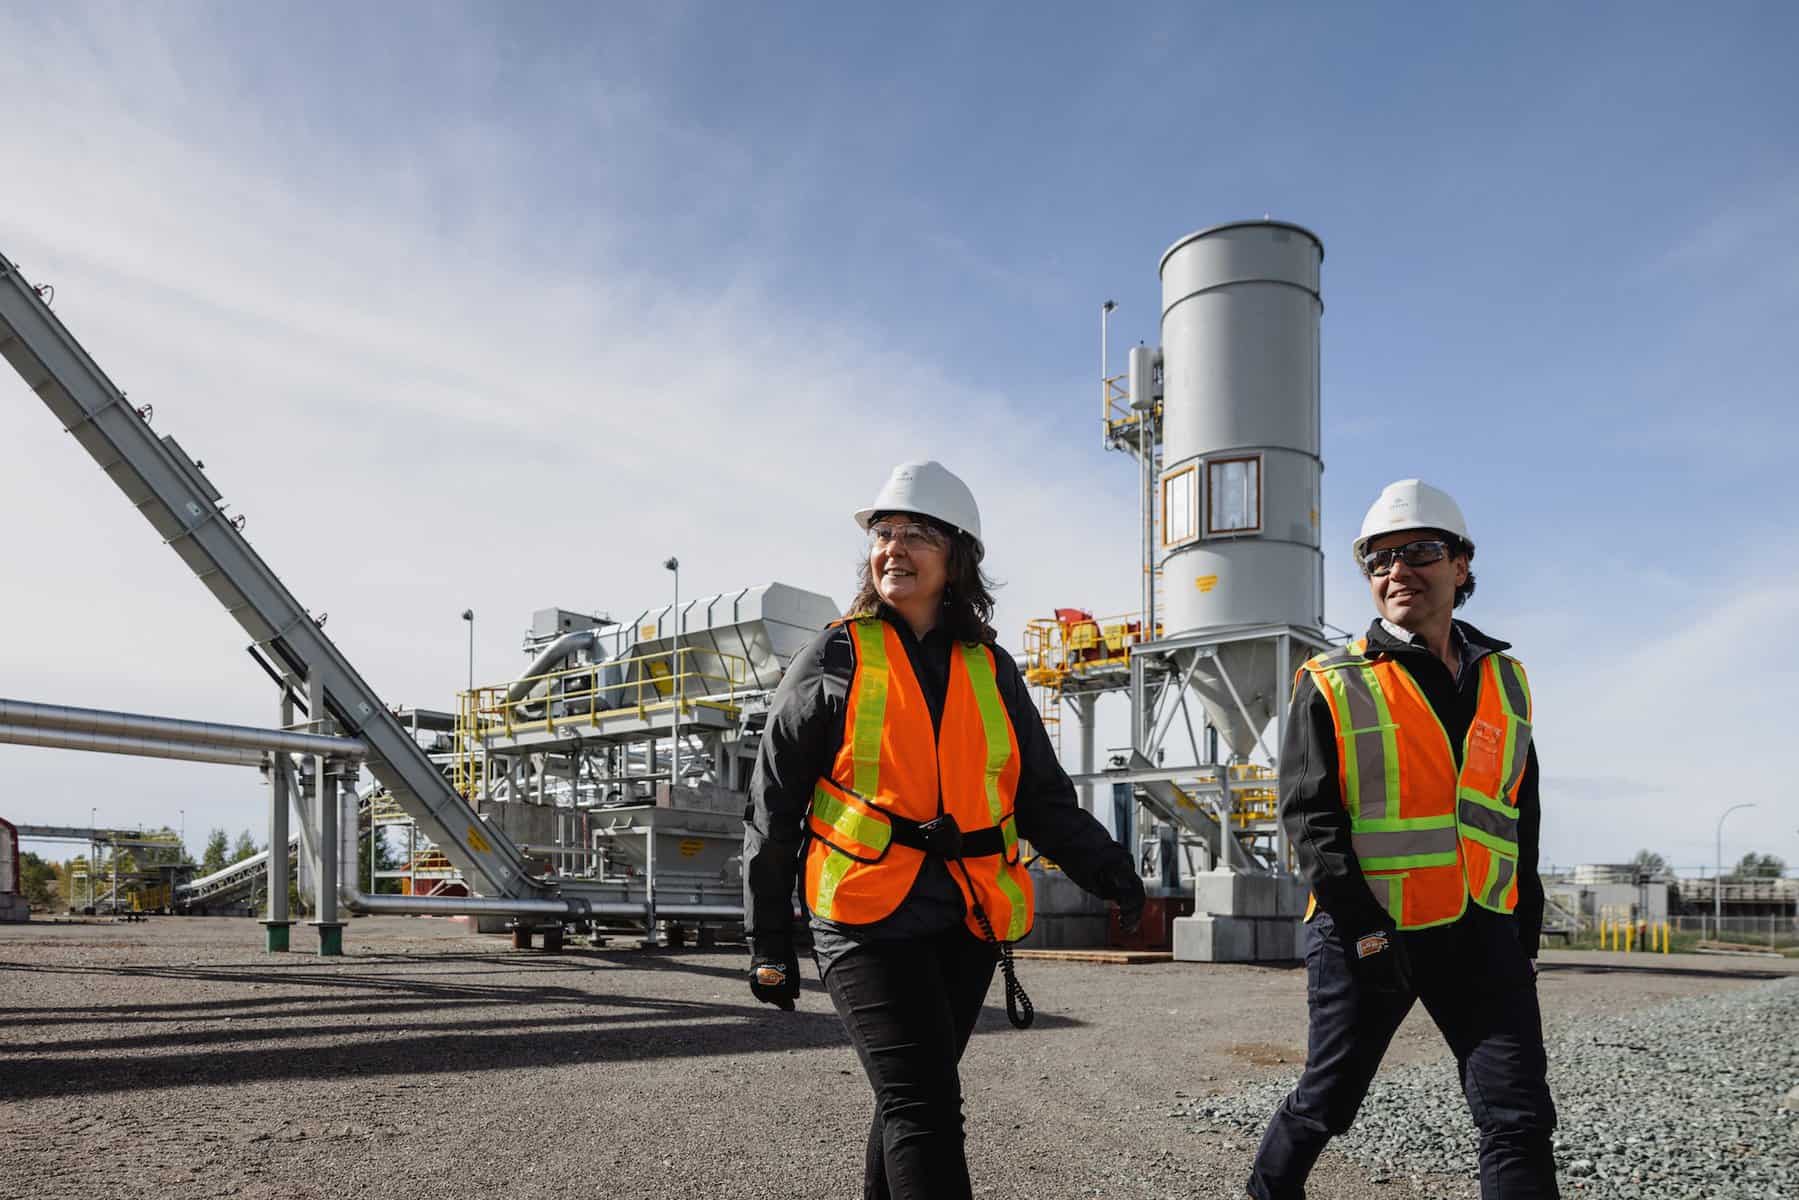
pixel 1125 889
pixel 1378 961
pixel 774 970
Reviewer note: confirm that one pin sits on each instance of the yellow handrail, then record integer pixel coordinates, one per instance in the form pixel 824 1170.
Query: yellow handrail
pixel 1116 413
pixel 700 677
pixel 1057 648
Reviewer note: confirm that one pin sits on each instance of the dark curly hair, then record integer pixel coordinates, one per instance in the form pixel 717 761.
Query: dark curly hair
pixel 1458 546
pixel 967 595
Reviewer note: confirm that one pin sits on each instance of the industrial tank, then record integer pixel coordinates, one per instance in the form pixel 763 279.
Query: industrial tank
pixel 1239 489
pixel 1240 428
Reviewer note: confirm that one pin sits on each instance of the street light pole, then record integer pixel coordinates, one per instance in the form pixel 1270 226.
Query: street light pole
pixel 674 663
pixel 1105 392
pixel 468 614
pixel 1718 882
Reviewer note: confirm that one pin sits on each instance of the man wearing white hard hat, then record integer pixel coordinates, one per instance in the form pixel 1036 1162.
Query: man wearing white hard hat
pixel 902 763
pixel 1408 787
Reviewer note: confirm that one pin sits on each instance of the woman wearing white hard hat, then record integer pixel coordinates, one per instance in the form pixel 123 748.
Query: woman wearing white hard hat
pixel 902 764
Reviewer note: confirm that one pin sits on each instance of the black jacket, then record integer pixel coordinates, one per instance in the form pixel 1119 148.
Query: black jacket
pixel 1311 803
pixel 805 730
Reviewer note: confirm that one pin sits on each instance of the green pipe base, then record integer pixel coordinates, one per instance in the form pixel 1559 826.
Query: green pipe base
pixel 331 939
pixel 277 936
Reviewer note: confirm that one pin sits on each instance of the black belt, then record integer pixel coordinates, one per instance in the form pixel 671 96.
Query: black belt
pixel 944 837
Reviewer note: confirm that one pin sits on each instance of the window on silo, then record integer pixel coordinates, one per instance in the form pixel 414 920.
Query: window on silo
pixel 1234 495
pixel 1180 506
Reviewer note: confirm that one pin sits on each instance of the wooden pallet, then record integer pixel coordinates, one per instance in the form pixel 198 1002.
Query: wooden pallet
pixel 1122 958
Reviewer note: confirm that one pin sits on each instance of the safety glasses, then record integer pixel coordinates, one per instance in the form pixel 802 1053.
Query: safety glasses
pixel 913 536
pixel 1379 563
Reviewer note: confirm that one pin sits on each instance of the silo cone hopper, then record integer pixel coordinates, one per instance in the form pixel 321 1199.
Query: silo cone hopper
pixel 1236 684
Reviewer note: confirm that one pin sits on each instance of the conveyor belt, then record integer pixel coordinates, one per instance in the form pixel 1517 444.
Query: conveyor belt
pixel 185 510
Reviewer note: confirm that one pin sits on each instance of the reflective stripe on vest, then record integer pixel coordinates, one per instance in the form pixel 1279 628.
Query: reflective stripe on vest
pixel 1429 836
pixel 868 720
pixel 998 729
pixel 871 705
pixel 848 824
pixel 893 761
pixel 1495 756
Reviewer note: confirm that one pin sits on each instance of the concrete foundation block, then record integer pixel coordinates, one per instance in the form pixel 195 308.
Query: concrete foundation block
pixel 1220 938
pixel 15 909
pixel 1277 939
pixel 1230 893
pixel 1215 891
pixel 1065 917
pixel 1065 931
pixel 1210 938
pixel 1291 896
pixel 1057 893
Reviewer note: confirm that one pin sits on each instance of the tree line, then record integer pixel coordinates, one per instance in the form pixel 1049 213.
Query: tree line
pixel 48 884
pixel 1651 865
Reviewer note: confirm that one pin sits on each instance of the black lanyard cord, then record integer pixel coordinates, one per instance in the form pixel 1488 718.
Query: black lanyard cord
pixel 1019 1009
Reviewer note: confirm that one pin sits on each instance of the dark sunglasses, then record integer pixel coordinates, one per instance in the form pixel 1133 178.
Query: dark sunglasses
pixel 1379 563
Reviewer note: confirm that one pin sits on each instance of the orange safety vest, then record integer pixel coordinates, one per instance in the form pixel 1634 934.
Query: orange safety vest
pixel 1428 837
pixel 891 764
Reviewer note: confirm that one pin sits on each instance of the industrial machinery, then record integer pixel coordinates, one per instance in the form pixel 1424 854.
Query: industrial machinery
pixel 622 753
pixel 603 785
pixel 1223 420
pixel 347 725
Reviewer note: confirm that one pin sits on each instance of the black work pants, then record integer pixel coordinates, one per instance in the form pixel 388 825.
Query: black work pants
pixel 909 1007
pixel 1475 981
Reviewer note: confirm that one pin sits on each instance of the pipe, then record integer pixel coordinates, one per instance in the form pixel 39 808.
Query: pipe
pixel 278 813
pixel 170 729
pixel 557 650
pixel 27 735
pixel 329 776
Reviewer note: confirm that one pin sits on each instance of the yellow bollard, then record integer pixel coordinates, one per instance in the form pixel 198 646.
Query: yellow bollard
pixel 1667 938
pixel 1605 929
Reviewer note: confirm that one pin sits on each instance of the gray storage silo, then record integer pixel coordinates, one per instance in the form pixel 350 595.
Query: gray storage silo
pixel 1240 472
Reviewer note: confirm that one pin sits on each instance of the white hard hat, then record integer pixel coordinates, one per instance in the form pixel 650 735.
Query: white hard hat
pixel 932 490
pixel 1412 504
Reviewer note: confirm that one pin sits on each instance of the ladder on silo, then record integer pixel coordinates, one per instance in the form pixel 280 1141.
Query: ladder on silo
pixel 182 505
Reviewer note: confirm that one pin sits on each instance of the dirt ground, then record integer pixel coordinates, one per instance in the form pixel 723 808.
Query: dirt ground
pixel 174 1058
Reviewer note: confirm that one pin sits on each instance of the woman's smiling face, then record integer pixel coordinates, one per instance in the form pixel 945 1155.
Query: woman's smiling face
pixel 909 561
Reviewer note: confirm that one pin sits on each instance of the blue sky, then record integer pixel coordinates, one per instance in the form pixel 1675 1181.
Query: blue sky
pixel 448 297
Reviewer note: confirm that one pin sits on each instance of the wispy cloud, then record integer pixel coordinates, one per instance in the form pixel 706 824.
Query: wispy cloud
pixel 501 407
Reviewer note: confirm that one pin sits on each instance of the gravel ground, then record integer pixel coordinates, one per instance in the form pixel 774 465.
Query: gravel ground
pixel 1695 1098
pixel 174 1058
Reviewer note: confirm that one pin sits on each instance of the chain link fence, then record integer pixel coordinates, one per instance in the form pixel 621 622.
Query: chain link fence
pixel 1759 932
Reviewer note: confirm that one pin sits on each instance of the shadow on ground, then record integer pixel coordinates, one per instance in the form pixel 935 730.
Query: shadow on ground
pixel 392 1014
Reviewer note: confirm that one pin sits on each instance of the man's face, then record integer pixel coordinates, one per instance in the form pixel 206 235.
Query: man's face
pixel 1417 599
